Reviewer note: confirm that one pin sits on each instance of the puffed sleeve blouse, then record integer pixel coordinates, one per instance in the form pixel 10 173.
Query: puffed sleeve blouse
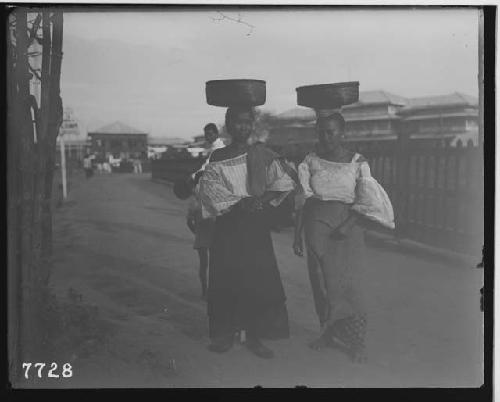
pixel 351 183
pixel 224 183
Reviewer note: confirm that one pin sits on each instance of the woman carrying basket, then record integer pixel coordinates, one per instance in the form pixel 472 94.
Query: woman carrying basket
pixel 340 196
pixel 239 187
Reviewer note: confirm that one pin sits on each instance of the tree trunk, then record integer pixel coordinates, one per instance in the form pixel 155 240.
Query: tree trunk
pixel 30 174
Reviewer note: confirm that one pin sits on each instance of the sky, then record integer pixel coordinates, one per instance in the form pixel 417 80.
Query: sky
pixel 148 69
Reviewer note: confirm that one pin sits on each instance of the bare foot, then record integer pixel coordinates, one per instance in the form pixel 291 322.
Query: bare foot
pixel 318 344
pixel 358 356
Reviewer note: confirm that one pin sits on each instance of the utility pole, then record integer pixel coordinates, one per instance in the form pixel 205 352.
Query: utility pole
pixel 480 78
pixel 63 166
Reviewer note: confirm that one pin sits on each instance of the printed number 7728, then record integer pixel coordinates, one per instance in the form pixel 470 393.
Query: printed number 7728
pixel 66 371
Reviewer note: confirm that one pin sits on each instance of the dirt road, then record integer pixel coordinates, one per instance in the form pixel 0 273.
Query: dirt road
pixel 122 242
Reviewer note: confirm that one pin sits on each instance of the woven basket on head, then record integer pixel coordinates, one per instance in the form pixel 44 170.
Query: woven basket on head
pixel 242 92
pixel 328 96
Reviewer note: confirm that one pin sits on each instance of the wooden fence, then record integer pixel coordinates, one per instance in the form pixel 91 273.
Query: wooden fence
pixel 436 189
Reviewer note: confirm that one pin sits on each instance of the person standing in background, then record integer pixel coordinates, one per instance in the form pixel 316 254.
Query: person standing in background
pixel 201 228
pixel 137 165
pixel 213 141
pixel 87 166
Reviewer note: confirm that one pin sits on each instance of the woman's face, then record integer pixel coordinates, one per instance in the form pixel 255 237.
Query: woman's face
pixel 241 127
pixel 330 134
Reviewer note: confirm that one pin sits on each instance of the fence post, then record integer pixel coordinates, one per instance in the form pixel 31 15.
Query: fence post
pixel 401 158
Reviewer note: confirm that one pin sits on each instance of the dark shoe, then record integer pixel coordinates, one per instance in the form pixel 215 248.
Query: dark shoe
pixel 258 349
pixel 221 345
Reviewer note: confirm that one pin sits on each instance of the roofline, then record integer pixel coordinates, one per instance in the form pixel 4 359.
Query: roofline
pixel 98 132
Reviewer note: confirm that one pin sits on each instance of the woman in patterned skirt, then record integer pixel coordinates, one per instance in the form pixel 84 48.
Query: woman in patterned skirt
pixel 339 195
pixel 239 187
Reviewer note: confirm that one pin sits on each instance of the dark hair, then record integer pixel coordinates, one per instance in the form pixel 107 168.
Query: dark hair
pixel 183 188
pixel 336 116
pixel 232 111
pixel 211 126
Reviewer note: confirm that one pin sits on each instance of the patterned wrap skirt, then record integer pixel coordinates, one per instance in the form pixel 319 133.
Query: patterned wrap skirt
pixel 245 289
pixel 336 272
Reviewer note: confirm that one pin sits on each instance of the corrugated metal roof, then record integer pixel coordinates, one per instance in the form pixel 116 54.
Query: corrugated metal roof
pixel 365 98
pixel 349 119
pixel 117 128
pixel 439 115
pixel 378 97
pixel 381 97
pixel 454 99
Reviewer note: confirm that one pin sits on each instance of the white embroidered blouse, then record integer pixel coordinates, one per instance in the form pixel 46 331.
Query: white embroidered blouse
pixel 224 183
pixel 350 183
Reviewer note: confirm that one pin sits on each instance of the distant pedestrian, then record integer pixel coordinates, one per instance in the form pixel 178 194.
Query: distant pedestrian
pixel 106 164
pixel 201 228
pixel 137 166
pixel 213 142
pixel 100 164
pixel 87 166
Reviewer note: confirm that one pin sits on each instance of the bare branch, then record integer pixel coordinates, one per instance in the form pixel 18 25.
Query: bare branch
pixel 238 20
pixel 34 28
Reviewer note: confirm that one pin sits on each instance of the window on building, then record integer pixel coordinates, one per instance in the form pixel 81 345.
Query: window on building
pixel 115 144
pixel 99 143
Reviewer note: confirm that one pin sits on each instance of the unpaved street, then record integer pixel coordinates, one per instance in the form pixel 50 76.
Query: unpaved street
pixel 122 242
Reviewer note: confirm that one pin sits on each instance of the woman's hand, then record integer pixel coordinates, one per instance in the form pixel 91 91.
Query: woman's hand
pixel 344 229
pixel 191 224
pixel 251 204
pixel 340 233
pixel 298 246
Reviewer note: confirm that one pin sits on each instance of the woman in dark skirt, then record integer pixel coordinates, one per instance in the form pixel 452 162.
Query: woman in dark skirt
pixel 240 186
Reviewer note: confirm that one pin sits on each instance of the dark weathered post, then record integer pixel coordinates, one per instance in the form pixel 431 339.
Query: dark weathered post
pixel 402 179
pixel 481 77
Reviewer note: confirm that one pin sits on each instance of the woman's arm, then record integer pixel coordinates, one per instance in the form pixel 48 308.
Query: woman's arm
pixel 298 243
pixel 268 196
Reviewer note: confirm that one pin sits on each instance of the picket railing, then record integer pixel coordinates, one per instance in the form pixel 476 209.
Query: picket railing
pixel 436 189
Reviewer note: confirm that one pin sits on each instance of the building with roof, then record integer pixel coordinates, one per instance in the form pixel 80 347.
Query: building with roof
pixel 452 118
pixel 380 115
pixel 119 140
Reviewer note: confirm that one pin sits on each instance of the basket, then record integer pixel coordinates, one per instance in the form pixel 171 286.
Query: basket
pixel 328 96
pixel 228 93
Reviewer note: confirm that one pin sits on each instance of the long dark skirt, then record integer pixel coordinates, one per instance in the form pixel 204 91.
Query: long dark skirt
pixel 245 289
